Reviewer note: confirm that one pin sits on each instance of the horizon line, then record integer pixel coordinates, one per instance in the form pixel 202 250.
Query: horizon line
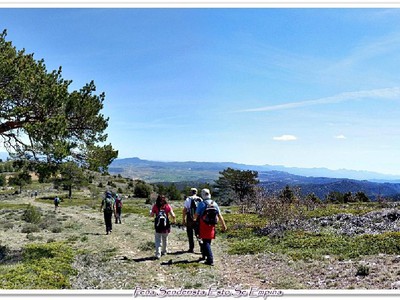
pixel 262 165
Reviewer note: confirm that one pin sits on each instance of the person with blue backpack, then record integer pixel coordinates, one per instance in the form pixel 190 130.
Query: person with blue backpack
pixel 108 207
pixel 56 203
pixel 162 225
pixel 208 214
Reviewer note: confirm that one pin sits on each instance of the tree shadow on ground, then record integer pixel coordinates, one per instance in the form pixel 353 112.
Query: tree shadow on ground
pixel 10 257
pixel 177 252
pixel 144 259
pixel 183 261
pixel 92 233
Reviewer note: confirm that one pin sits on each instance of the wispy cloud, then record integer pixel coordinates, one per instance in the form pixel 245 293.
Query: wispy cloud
pixel 340 137
pixel 285 138
pixel 347 96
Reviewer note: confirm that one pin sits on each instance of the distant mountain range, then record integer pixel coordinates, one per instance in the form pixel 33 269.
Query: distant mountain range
pixel 150 170
pixel 320 181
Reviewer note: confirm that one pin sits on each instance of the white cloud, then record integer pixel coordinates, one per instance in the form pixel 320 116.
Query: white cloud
pixel 285 138
pixel 347 96
pixel 340 137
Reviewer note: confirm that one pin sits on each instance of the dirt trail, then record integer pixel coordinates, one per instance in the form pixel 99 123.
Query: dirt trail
pixel 125 258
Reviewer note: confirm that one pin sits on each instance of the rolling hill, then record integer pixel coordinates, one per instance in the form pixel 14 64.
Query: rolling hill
pixel 320 181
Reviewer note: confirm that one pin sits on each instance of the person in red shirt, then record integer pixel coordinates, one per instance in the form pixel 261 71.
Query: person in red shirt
pixel 207 228
pixel 162 212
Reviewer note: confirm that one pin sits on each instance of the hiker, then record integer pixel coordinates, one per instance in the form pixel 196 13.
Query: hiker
pixel 118 208
pixel 162 210
pixel 108 203
pixel 208 214
pixel 56 203
pixel 189 209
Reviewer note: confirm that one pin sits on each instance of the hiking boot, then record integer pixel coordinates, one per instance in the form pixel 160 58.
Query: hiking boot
pixel 190 251
pixel 210 263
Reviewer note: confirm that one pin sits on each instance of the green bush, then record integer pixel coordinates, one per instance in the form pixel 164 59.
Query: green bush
pixel 44 266
pixel 362 270
pixel 56 229
pixel 32 237
pixel 32 215
pixel 49 222
pixel 142 190
pixel 29 228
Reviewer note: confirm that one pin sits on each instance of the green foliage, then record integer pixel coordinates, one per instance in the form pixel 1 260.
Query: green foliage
pixel 242 183
pixel 99 158
pixel 362 270
pixel 72 176
pixel 243 235
pixel 142 190
pixel 3 180
pixel 173 193
pixel 45 171
pixel 32 214
pixel 335 197
pixel 7 167
pixel 37 104
pixel 333 209
pixel 49 222
pixel 361 197
pixel 13 206
pixel 303 245
pixel 21 179
pixel 56 229
pixel 44 266
pixel 287 195
pixel 29 228
pixel 147 246
pixel 136 207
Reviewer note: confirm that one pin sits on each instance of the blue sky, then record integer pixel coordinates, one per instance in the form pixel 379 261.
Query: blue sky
pixel 296 87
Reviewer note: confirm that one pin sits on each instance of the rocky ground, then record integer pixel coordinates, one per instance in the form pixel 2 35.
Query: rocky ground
pixel 125 259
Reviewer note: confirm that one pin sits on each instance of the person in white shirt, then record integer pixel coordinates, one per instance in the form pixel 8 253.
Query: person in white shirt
pixel 188 212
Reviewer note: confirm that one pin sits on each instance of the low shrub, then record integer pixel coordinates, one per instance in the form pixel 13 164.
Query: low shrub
pixel 362 270
pixel 147 246
pixel 32 214
pixel 32 237
pixel 49 222
pixel 29 228
pixel 56 229
pixel 304 245
pixel 44 266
